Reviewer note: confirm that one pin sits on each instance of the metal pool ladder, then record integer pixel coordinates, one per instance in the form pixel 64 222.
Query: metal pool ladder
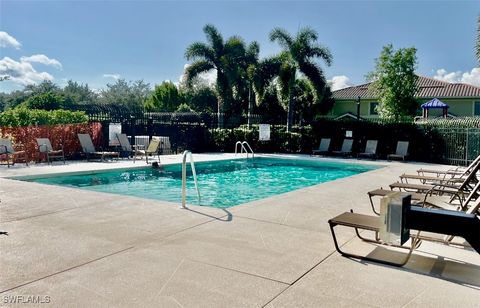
pixel 243 148
pixel 184 177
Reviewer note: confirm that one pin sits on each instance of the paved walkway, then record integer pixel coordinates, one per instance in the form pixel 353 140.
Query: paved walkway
pixel 73 247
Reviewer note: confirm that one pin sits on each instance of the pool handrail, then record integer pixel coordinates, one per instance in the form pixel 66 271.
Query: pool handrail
pixel 243 148
pixel 184 177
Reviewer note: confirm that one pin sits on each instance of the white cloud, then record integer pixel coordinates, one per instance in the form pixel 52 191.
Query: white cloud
pixel 472 77
pixel 22 72
pixel 113 76
pixel 339 82
pixel 209 78
pixel 6 40
pixel 42 59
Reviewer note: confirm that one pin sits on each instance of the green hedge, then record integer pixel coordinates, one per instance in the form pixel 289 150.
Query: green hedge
pixel 301 141
pixel 25 117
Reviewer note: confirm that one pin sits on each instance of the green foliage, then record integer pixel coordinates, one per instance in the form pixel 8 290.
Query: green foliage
pixel 48 101
pixel 128 94
pixel 79 93
pixel 229 59
pixel 466 122
pixel 184 108
pixel 201 99
pixel 23 117
pixel 394 80
pixel 165 98
pixel 298 56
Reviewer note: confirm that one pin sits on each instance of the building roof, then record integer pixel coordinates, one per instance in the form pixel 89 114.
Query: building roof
pixel 427 88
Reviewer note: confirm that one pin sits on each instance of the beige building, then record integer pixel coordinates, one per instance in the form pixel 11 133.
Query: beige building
pixel 463 99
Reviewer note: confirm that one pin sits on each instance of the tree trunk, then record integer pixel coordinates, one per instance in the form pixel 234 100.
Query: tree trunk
pixel 220 113
pixel 250 108
pixel 291 110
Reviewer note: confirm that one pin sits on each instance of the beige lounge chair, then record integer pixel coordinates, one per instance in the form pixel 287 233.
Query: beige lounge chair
pixel 453 189
pixel 459 171
pixel 89 149
pixel 346 148
pixel 152 149
pixel 45 148
pixel 323 147
pixel 401 151
pixel 7 153
pixel 127 148
pixel 370 150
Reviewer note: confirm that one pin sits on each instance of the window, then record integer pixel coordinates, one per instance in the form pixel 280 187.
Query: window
pixel 476 109
pixel 373 108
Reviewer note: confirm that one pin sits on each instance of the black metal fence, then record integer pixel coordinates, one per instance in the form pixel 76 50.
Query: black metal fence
pixel 142 117
pixel 462 145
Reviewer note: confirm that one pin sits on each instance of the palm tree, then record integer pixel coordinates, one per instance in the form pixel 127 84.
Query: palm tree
pixel 298 58
pixel 216 55
pixel 477 51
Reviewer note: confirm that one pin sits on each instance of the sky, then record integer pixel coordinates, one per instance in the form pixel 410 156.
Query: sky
pixel 97 42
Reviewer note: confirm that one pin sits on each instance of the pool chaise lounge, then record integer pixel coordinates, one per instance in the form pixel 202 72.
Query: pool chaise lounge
pixel 442 177
pixel 447 222
pixel 459 171
pixel 324 146
pixel 346 148
pixel 45 148
pixel 89 149
pixel 460 188
pixel 7 153
pixel 126 147
pixel 401 151
pixel 370 150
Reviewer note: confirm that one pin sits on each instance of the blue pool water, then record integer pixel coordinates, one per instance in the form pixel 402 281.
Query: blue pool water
pixel 222 183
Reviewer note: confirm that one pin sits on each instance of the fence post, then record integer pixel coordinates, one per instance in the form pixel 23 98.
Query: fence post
pixel 466 149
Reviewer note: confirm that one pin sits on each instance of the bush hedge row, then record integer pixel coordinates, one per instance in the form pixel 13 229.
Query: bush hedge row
pixel 25 117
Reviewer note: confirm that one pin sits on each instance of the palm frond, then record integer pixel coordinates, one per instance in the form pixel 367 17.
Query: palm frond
pixel 321 52
pixel 200 50
pixel 307 35
pixel 282 37
pixel 478 39
pixel 314 73
pixel 196 68
pixel 214 38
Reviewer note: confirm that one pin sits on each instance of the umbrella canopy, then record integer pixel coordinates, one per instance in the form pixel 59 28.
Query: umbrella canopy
pixel 434 103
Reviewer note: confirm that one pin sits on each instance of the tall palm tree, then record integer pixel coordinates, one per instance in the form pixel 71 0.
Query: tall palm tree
pixel 477 49
pixel 298 58
pixel 218 55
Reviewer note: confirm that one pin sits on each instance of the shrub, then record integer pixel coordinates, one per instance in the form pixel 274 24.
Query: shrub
pixel 25 117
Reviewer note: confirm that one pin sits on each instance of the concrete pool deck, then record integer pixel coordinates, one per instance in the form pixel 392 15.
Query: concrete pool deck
pixel 74 247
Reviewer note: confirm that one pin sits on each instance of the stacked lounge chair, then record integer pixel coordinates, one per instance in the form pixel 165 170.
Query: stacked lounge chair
pixel 428 214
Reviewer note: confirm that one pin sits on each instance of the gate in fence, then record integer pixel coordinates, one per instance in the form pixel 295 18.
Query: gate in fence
pixel 462 145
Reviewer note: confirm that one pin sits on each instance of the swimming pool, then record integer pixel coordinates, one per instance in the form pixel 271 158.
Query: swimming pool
pixel 222 183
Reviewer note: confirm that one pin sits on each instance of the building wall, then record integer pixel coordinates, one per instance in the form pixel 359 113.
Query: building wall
pixel 343 106
pixel 462 107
